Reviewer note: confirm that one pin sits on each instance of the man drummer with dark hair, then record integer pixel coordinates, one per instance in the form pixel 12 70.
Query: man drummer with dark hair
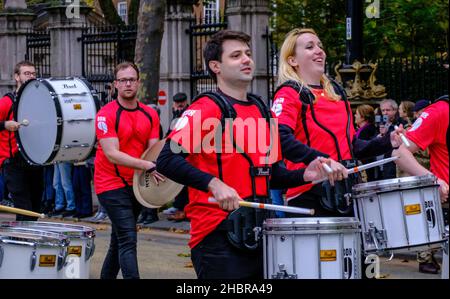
pixel 125 129
pixel 23 180
pixel 229 171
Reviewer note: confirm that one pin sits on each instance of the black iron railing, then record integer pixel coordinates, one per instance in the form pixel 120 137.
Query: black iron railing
pixel 38 52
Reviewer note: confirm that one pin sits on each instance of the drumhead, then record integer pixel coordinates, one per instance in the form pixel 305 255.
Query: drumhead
pixel 36 104
pixel 25 236
pixel 312 223
pixel 69 230
pixel 394 184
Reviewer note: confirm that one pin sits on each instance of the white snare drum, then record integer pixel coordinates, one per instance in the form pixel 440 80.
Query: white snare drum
pixel 400 213
pixel 445 256
pixel 298 248
pixel 61 115
pixel 28 253
pixel 79 251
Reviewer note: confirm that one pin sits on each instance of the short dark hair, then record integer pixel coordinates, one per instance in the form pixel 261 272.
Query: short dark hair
pixel 125 65
pixel 213 49
pixel 21 64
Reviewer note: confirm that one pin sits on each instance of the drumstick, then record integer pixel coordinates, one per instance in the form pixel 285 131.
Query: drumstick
pixel 362 167
pixel 20 211
pixel 327 168
pixel 403 137
pixel 25 122
pixel 266 206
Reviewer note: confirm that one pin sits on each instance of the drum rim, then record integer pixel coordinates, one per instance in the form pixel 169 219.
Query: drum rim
pixel 400 184
pixel 79 231
pixel 58 126
pixel 317 223
pixel 50 239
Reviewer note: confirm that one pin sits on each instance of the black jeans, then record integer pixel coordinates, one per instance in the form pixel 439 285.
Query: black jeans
pixel 215 258
pixel 26 184
pixel 123 210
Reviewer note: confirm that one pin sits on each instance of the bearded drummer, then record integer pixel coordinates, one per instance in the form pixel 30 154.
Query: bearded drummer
pixel 225 174
pixel 23 180
pixel 125 128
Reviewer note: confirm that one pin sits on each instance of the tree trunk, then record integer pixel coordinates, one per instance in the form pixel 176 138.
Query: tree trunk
pixel 148 47
pixel 133 11
pixel 110 12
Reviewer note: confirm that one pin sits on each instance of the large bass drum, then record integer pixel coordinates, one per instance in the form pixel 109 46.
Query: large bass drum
pixel 61 120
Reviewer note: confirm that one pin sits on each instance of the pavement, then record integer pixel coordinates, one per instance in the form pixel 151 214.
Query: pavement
pixel 163 251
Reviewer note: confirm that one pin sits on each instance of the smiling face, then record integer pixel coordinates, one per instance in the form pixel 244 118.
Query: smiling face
pixel 236 65
pixel 309 59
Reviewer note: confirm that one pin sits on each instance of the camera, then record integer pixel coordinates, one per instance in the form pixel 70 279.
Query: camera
pixel 381 119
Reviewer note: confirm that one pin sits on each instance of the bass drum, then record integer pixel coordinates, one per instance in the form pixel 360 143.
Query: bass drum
pixel 61 120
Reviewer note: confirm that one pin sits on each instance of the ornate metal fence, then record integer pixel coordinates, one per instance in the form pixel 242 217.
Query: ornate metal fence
pixel 38 51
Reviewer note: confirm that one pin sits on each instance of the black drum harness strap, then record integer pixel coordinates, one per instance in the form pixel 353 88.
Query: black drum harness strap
pixel 337 198
pixel 243 225
pixel 12 97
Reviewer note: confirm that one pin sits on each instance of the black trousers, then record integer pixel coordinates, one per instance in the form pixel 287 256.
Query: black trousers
pixel 216 258
pixel 26 184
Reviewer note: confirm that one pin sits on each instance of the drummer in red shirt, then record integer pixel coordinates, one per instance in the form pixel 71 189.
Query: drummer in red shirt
pixel 125 129
pixel 23 180
pixel 430 131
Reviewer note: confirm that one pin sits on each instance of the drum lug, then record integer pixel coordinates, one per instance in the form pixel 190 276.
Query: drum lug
pixel 59 121
pixel 89 251
pixel 33 259
pixel 62 258
pixel 56 148
pixel 1 256
pixel 375 236
pixel 67 146
pixel 282 274
pixel 257 230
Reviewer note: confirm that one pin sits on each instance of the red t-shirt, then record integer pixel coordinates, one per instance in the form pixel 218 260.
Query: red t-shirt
pixel 429 131
pixel 8 143
pixel 332 114
pixel 195 133
pixel 134 131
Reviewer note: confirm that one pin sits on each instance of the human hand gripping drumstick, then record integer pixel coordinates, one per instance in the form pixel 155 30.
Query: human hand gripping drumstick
pixel 403 137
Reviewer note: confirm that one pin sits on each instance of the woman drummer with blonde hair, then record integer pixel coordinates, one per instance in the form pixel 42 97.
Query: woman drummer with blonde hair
pixel 315 119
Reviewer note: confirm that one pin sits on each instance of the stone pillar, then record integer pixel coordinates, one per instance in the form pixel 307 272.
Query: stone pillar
pixel 65 26
pixel 15 22
pixel 175 56
pixel 252 17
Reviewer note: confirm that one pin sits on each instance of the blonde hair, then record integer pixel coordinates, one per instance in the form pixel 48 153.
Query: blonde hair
pixel 287 73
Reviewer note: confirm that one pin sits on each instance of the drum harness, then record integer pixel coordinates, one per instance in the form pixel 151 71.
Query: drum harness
pixel 118 113
pixel 244 225
pixel 337 197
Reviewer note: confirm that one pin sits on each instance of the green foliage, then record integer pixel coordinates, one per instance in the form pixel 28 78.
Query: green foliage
pixel 405 27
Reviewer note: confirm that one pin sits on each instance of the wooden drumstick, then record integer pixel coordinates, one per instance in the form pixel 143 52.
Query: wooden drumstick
pixel 20 211
pixel 272 207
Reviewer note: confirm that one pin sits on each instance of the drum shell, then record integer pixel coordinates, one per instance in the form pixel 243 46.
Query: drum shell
pixel 79 251
pixel 301 245
pixel 402 213
pixel 18 246
pixel 61 120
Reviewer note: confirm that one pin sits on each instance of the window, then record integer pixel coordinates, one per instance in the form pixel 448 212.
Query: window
pixel 122 10
pixel 211 11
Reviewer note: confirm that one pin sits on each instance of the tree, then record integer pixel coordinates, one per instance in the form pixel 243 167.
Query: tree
pixel 110 12
pixel 133 12
pixel 148 47
pixel 405 27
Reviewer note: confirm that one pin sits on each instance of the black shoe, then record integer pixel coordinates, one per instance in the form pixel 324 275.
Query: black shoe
pixel 56 213
pixel 141 218
pixel 428 268
pixel 69 213
pixel 81 215
pixel 150 219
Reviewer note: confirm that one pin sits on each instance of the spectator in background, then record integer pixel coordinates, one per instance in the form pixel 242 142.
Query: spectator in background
pixel 419 107
pixel 405 111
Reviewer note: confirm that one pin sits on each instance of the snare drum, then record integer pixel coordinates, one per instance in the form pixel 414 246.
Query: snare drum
pixel 402 213
pixel 61 115
pixel 445 256
pixel 80 249
pixel 298 248
pixel 28 253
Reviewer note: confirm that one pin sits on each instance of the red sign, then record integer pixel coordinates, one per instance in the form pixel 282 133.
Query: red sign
pixel 162 97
